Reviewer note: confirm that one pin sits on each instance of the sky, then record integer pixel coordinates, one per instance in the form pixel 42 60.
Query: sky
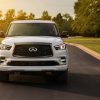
pixel 38 6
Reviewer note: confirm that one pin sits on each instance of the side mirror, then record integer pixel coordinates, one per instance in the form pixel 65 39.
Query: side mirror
pixel 64 34
pixel 2 35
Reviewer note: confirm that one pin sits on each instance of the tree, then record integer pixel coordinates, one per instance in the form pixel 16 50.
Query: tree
pixel 10 15
pixel 67 17
pixel 45 16
pixel 59 21
pixel 21 15
pixel 87 19
pixel 31 16
pixel 0 14
pixel 63 22
pixel 67 24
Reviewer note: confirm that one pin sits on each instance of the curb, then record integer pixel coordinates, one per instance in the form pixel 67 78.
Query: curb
pixel 87 50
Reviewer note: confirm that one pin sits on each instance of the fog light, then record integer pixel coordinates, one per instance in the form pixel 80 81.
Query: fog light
pixel 2 59
pixel 63 60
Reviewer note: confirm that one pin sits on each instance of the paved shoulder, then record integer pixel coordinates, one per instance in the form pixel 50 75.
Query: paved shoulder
pixel 87 50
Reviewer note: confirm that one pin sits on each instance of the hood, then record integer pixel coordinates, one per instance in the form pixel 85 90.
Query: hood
pixel 32 39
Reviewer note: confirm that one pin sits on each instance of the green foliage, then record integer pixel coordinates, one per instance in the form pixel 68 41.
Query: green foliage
pixel 67 25
pixel 21 15
pixel 59 21
pixel 64 22
pixel 31 16
pixel 87 20
pixel 0 14
pixel 45 16
pixel 10 15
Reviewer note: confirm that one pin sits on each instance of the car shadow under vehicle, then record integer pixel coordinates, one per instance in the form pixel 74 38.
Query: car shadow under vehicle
pixel 78 83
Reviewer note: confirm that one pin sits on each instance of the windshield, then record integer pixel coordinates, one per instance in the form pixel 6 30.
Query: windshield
pixel 32 29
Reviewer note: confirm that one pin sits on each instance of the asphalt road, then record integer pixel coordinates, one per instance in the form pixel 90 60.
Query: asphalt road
pixel 84 82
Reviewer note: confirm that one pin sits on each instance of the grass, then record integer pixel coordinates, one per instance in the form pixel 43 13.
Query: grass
pixel 92 43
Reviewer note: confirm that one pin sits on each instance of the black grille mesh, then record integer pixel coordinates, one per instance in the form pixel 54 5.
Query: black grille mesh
pixel 42 50
pixel 32 63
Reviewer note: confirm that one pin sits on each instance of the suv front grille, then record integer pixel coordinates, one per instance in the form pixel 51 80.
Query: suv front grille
pixel 33 50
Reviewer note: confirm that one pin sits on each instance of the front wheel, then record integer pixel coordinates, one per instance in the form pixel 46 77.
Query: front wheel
pixel 4 77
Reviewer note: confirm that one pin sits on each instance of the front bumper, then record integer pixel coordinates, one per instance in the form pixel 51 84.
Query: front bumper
pixel 61 67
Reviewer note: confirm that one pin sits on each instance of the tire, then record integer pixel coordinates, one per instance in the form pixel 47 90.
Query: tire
pixel 62 77
pixel 4 77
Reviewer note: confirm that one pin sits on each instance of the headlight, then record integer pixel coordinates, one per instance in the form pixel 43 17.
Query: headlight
pixel 4 47
pixel 60 47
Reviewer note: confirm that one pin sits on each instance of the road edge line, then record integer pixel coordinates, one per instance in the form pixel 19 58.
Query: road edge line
pixel 87 50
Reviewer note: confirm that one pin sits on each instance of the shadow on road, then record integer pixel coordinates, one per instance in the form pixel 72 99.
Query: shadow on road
pixel 78 83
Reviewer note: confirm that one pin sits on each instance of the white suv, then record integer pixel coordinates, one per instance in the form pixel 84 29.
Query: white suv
pixel 33 46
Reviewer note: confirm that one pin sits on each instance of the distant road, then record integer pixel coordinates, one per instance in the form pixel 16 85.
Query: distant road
pixel 84 82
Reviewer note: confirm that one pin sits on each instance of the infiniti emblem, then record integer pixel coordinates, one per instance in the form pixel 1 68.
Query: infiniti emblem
pixel 33 49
